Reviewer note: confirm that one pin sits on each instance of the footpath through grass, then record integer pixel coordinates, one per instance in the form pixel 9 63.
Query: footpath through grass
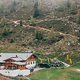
pixel 56 74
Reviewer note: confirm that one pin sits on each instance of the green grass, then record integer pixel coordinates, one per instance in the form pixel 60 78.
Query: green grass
pixel 74 76
pixel 56 74
pixel 76 65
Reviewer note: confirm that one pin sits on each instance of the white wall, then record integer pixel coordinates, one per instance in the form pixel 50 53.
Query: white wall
pixel 14 73
pixel 31 64
pixel 1 67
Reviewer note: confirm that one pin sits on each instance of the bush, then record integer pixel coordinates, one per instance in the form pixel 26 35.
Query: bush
pixel 39 36
pixel 78 19
pixel 73 12
pixel 5 34
pixel 55 39
pixel 11 41
pixel 32 24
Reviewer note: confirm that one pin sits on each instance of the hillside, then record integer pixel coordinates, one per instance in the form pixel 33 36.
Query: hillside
pixel 48 28
pixel 39 26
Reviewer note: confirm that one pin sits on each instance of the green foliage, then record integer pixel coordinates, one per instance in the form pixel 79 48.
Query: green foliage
pixel 73 12
pixel 57 25
pixel 79 40
pixel 36 11
pixel 6 31
pixel 7 10
pixel 68 4
pixel 76 65
pixel 75 57
pixel 32 24
pixel 38 35
pixel 55 39
pixel 21 23
pixel 1 10
pixel 78 19
pixel 13 7
pixel 5 34
pixel 32 21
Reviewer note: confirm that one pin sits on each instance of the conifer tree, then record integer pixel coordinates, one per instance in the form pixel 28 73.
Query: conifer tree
pixel 36 11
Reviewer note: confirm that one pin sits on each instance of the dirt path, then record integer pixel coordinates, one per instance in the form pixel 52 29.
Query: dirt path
pixel 78 70
pixel 44 29
pixel 67 65
pixel 37 69
pixel 75 69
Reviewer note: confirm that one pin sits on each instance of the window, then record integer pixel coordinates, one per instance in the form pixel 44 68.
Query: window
pixel 31 62
pixel 34 62
pixel 28 63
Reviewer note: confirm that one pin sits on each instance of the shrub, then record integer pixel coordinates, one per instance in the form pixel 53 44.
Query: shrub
pixel 55 39
pixel 5 34
pixel 78 19
pixel 38 35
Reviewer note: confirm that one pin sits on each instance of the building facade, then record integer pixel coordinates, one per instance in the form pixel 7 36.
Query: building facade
pixel 20 61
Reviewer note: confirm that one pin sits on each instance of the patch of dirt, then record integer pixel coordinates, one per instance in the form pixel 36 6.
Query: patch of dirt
pixel 63 76
pixel 4 78
pixel 76 70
